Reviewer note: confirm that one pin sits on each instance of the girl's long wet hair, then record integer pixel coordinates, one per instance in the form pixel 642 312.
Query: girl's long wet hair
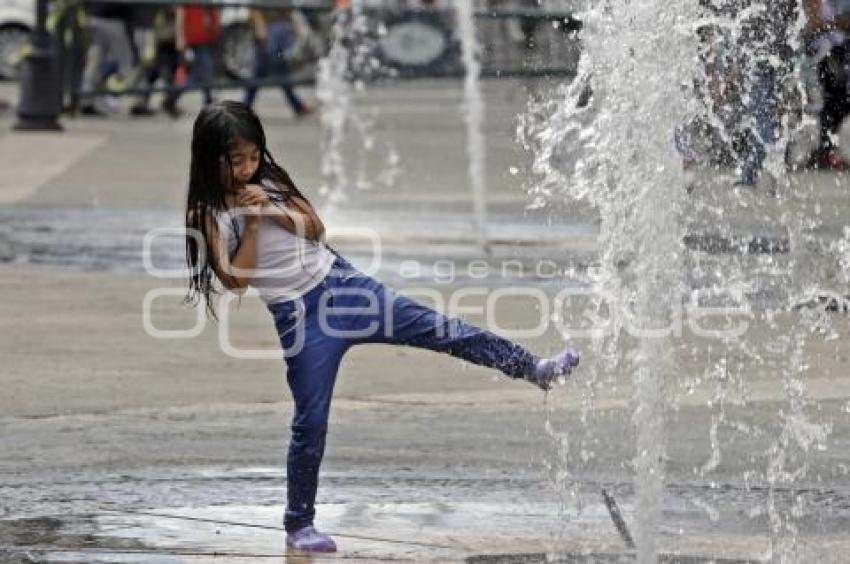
pixel 218 128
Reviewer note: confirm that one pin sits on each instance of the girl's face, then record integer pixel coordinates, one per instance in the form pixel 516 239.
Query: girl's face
pixel 244 160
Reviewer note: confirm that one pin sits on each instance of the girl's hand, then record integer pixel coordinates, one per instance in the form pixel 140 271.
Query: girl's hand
pixel 255 192
pixel 253 198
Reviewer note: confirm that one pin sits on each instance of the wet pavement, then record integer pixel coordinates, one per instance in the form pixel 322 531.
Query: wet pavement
pixel 442 484
pixel 195 533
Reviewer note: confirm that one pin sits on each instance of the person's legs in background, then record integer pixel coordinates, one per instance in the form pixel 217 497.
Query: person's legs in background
pixel 201 74
pixel 261 70
pixel 162 67
pixel 170 59
pixel 109 58
pixel 833 75
pixel 95 55
pixel 176 83
pixel 280 42
pixel 118 47
pixel 280 69
pixel 202 70
pixel 763 112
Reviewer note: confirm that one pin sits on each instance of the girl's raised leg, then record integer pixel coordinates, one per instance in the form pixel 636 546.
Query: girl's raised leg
pixel 397 319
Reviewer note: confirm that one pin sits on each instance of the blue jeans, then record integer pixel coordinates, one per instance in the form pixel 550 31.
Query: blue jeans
pixel 273 64
pixel 763 112
pixel 201 74
pixel 350 308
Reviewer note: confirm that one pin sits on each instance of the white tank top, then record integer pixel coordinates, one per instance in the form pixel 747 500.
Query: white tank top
pixel 288 266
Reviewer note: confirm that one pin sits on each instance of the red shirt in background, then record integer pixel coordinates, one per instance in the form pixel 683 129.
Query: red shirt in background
pixel 200 25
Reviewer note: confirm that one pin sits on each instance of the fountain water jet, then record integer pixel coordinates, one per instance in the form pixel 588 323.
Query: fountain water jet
pixel 766 250
pixel 334 93
pixel 474 118
pixel 625 165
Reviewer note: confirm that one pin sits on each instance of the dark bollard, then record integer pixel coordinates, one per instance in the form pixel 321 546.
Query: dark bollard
pixel 40 95
pixel 617 518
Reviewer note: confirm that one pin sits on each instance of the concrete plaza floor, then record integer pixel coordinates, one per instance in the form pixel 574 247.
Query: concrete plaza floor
pixel 121 447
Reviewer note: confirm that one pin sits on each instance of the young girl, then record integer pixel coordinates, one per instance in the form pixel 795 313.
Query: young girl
pixel 247 223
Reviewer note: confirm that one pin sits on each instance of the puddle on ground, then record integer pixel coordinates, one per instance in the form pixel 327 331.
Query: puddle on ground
pixel 598 558
pixel 415 531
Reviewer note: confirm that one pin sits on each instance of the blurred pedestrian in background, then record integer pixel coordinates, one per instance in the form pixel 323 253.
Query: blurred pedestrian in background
pixel 827 36
pixel 767 33
pixel 197 29
pixel 748 55
pixel 109 56
pixel 274 33
pixel 705 139
pixel 162 65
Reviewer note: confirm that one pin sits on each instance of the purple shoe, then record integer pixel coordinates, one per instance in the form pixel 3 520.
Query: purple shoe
pixel 548 369
pixel 308 539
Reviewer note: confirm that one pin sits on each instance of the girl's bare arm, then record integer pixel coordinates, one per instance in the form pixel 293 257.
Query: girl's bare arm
pixel 258 22
pixel 313 226
pixel 233 270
